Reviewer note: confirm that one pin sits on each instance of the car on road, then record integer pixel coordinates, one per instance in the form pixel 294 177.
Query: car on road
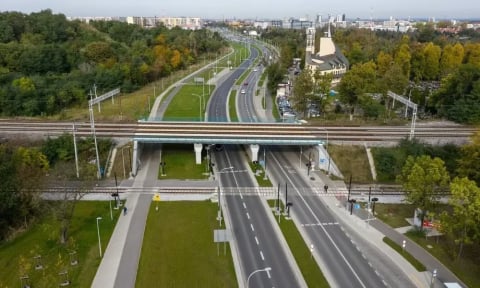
pixel 242 91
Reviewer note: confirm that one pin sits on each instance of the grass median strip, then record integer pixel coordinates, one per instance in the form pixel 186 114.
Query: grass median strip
pixel 419 266
pixel 310 270
pixel 178 248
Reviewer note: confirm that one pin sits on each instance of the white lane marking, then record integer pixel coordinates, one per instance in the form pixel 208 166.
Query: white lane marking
pixel 248 215
pixel 241 196
pixel 261 255
pixel 256 240
pixel 321 226
pixel 251 226
pixel 268 274
pixel 244 206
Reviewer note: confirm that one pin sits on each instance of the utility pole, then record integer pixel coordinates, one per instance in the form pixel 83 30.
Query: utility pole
pixel 76 151
pixel 92 125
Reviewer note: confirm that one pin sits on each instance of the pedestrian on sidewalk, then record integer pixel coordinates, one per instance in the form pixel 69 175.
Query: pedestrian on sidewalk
pixel 124 210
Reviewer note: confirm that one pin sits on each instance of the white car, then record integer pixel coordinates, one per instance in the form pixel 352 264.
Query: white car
pixel 242 91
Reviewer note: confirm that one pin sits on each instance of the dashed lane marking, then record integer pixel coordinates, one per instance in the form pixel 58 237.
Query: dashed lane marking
pixel 248 215
pixel 244 206
pixel 261 255
pixel 251 226
pixel 256 240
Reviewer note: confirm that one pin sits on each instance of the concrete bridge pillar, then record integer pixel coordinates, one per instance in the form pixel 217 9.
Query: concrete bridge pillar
pixel 254 148
pixel 135 158
pixel 198 153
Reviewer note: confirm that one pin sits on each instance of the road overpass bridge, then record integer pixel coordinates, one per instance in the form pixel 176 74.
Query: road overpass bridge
pixel 207 133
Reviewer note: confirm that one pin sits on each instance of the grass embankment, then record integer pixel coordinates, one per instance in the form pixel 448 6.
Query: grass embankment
pixel 309 268
pixel 180 163
pixel 351 160
pixel 17 255
pixel 415 263
pixel 178 248
pixel 467 267
pixel 188 104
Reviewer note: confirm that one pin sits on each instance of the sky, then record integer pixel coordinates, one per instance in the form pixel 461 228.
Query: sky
pixel 253 9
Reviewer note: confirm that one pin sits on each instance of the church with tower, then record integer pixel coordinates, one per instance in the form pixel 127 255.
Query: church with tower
pixel 328 59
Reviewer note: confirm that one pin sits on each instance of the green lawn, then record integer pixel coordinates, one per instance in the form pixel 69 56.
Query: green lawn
pixel 185 106
pixel 180 162
pixel 415 263
pixel 309 268
pixel 43 239
pixel 178 248
pixel 394 214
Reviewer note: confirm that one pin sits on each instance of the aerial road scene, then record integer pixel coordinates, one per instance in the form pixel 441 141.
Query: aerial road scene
pixel 250 144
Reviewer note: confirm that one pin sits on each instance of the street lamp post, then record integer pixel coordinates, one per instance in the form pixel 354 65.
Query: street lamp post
pixel 98 233
pixel 266 269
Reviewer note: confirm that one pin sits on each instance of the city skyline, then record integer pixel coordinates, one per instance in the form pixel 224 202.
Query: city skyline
pixel 249 9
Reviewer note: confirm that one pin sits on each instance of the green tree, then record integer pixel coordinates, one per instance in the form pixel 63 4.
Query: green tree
pixel 432 61
pixel 469 161
pixel 402 59
pixel 463 223
pixel 417 63
pixel 384 61
pixel 322 86
pixel 303 91
pixel 459 95
pixel 472 54
pixel 357 81
pixel 424 180
pixel 452 57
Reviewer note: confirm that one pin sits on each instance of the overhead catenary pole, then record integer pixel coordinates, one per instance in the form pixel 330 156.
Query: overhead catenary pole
pixel 92 125
pixel 75 150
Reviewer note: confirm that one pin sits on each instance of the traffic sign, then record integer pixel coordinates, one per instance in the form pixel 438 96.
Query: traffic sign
pixel 156 197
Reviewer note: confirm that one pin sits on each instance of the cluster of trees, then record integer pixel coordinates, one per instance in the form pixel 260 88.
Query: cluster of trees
pixel 402 63
pixel 425 179
pixel 21 171
pixel 24 173
pixel 428 173
pixel 48 63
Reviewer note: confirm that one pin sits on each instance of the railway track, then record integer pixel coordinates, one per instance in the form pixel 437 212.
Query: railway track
pixel 234 130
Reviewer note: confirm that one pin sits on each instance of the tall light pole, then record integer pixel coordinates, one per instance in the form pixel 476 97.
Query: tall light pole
pixel 98 233
pixel 200 106
pixel 266 269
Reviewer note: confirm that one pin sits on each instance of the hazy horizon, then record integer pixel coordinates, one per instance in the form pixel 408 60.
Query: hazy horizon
pixel 249 9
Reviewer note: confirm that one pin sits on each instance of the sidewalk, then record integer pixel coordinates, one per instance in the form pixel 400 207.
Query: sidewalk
pixel 362 223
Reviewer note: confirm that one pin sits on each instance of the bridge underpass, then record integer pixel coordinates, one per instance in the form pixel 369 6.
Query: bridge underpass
pixel 294 135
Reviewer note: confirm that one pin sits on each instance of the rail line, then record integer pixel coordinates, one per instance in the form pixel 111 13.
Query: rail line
pixel 234 130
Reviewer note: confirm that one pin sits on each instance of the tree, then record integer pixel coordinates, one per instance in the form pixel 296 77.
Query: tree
pixel 402 59
pixel 357 81
pixel 463 223
pixel 472 54
pixel 459 95
pixel 469 161
pixel 384 61
pixel 424 180
pixel 452 57
pixel 432 61
pixel 321 90
pixel 303 91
